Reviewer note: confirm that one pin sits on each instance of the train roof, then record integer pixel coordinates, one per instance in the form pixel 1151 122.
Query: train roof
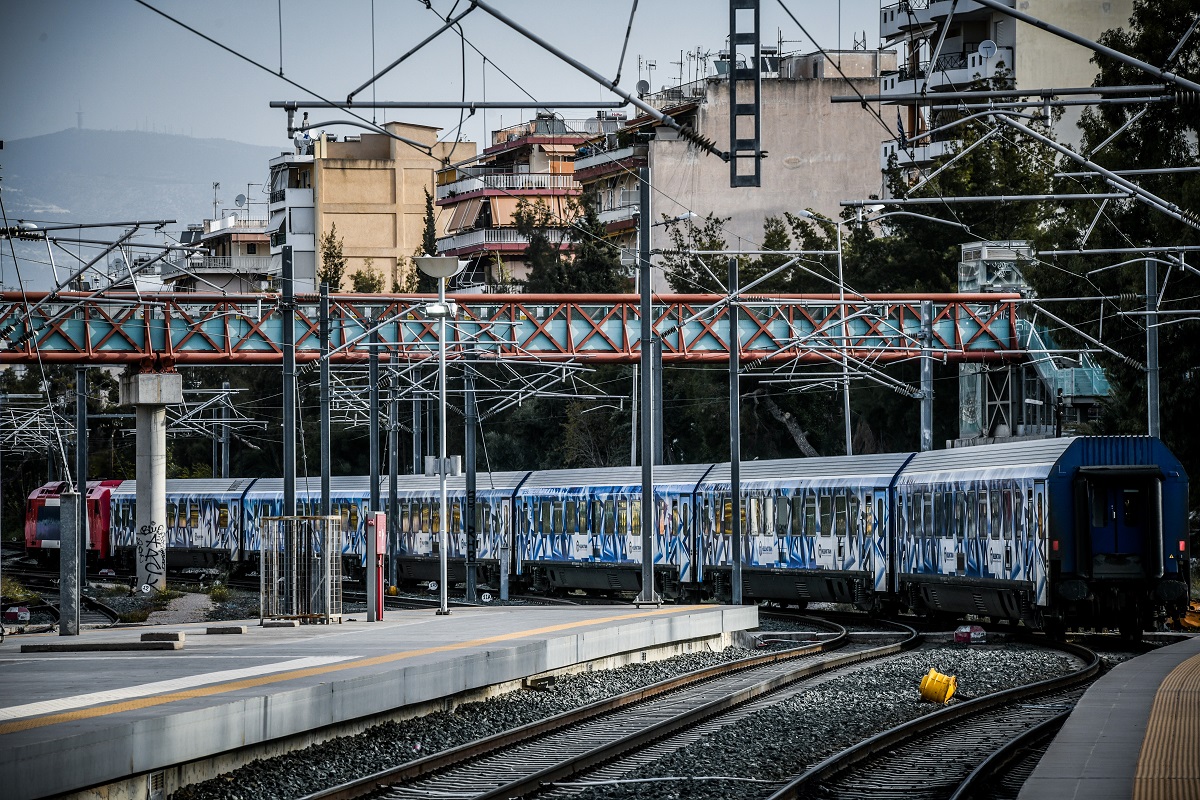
pixel 484 481
pixel 312 484
pixel 673 474
pixel 1031 458
pixel 208 486
pixel 877 468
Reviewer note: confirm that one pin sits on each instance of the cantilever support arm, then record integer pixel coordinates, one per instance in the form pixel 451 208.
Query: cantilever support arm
pixel 450 23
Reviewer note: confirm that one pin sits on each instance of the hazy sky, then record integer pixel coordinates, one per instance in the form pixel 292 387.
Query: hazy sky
pixel 127 68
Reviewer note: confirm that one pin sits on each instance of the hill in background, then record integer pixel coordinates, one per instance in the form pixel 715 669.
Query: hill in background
pixel 114 176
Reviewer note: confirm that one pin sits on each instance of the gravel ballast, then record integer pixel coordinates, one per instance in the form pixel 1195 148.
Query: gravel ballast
pixel 390 744
pixel 779 743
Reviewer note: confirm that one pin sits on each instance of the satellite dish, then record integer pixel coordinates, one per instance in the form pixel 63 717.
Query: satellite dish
pixel 240 200
pixel 987 48
pixel 643 87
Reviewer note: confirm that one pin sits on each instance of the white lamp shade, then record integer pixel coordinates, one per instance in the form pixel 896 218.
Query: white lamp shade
pixel 440 266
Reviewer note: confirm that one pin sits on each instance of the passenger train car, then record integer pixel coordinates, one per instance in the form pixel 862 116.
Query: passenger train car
pixel 1051 532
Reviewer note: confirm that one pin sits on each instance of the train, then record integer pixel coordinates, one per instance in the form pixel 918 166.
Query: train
pixel 1075 531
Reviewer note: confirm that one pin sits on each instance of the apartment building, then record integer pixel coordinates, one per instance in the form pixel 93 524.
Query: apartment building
pixel 237 257
pixel 534 161
pixel 371 186
pixel 980 42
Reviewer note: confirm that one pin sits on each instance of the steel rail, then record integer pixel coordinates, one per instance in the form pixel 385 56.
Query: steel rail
pixel 534 780
pixel 892 739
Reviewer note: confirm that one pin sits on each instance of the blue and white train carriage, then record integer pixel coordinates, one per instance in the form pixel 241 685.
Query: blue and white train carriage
pixel 1087 530
pixel 203 521
pixel 813 529
pixel 349 499
pixel 416 547
pixel 582 528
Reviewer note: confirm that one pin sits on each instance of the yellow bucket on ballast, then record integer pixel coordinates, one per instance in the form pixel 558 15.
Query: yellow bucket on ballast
pixel 938 688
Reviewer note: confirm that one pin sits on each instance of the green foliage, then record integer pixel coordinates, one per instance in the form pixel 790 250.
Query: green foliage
pixel 219 593
pixel 333 260
pixel 367 280
pixel 421 282
pixel 690 274
pixel 543 254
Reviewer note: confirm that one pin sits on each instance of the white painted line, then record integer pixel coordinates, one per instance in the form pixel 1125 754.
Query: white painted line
pixel 160 687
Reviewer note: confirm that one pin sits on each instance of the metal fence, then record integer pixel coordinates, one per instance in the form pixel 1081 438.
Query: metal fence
pixel 301 569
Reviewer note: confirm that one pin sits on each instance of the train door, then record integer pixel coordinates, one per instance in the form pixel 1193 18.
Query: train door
pixel 1039 552
pixel 825 556
pixel 1120 519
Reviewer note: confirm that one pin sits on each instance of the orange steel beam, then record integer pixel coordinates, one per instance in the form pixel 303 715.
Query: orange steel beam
pixel 158 331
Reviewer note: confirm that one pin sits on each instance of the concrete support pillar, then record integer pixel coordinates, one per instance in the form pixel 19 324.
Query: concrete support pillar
pixel 150 394
pixel 68 565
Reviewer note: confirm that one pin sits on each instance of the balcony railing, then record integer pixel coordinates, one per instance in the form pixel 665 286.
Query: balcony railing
pixel 278 238
pixel 278 195
pixel 595 159
pixel 486 237
pixel 557 126
pixel 242 265
pixel 508 181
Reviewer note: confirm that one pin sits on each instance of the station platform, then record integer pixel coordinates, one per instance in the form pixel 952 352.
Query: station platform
pixel 1135 733
pixel 117 722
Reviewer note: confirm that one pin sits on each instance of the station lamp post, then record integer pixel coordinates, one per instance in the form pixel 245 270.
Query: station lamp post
pixel 442 268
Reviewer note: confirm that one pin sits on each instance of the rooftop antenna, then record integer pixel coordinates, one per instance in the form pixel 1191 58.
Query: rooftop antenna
pixel 215 200
pixel 79 117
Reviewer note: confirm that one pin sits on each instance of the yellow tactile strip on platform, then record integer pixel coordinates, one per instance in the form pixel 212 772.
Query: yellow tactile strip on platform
pixel 1169 765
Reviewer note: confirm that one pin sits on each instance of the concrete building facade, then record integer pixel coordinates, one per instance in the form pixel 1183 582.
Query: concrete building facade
pixel 819 153
pixel 238 257
pixel 372 187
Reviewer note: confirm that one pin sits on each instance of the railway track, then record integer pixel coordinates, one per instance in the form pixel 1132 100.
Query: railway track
pixel 523 761
pixel 952 753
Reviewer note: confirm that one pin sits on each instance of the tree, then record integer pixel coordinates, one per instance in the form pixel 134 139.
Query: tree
pixel 367 280
pixel 595 266
pixel 692 274
pixel 426 284
pixel 543 253
pixel 333 260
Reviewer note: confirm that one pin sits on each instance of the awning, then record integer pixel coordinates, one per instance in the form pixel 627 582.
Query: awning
pixel 465 214
pixel 558 149
pixel 503 209
pixel 276 221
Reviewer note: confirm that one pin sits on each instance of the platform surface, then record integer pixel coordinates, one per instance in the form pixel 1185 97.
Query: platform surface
pixel 72 720
pixel 1135 733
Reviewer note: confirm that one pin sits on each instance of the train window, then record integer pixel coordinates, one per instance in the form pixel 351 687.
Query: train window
pixel 426 517
pixel 1029 529
pixel 622 516
pixel 726 515
pixel 456 516
pixel 994 515
pixel 352 517
pixel 783 515
pixel 687 518
pixel 879 520
pixel 854 519
pixel 825 506
pixel 754 510
pixel 1010 517
pixel 435 518
pixel 542 514
pixel 797 514
pixel 927 513
pixel 839 514
pixel 223 515
pixel 610 514
pixel 170 515
pixel 1132 502
pixel 414 516
pixel 556 516
pixel 635 515
pixel 960 515
pixel 569 517
pixel 810 514
pixel 193 514
pixel 969 511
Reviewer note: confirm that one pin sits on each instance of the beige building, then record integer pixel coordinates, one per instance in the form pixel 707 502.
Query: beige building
pixel 372 187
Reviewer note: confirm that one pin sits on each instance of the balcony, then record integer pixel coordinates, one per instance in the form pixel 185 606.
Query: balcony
pixel 492 239
pixel 899 17
pixel 625 206
pixel 291 198
pixel 608 157
pixel 921 154
pixel 241 265
pixel 278 238
pixel 958 70
pixel 508 182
